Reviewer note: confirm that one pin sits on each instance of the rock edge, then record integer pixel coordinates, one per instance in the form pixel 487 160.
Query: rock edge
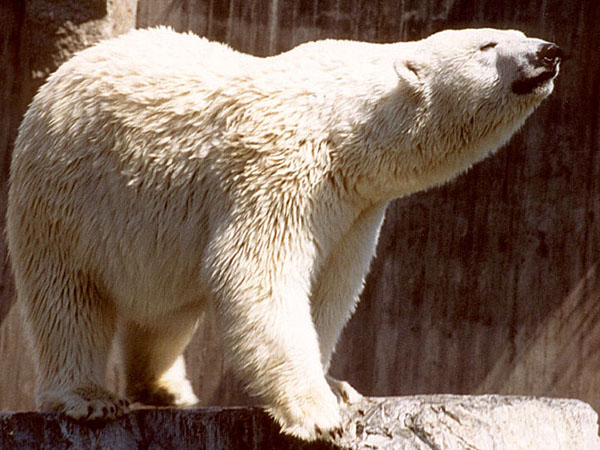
pixel 418 422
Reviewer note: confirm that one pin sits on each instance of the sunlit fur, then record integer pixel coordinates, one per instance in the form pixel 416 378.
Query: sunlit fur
pixel 159 174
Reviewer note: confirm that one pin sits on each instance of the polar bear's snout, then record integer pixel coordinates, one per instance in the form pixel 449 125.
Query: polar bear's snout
pixel 542 65
pixel 549 55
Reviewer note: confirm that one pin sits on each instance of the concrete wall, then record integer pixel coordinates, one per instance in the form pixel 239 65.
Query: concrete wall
pixel 489 284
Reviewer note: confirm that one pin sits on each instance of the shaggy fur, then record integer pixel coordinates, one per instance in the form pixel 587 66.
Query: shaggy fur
pixel 158 174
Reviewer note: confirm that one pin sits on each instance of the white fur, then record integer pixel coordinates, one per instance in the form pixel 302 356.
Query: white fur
pixel 159 173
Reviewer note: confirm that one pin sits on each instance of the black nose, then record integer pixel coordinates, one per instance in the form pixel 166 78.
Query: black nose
pixel 549 55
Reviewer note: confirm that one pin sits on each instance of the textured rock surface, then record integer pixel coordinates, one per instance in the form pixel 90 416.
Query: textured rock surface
pixel 471 422
pixel 420 422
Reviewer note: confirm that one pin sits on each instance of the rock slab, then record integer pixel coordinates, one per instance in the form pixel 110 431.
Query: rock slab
pixel 485 422
pixel 429 422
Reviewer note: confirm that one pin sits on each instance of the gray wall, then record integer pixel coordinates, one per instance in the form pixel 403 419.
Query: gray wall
pixel 489 284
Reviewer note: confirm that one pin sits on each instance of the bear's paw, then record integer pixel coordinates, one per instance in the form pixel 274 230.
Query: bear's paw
pixel 165 393
pixel 344 392
pixel 310 419
pixel 88 402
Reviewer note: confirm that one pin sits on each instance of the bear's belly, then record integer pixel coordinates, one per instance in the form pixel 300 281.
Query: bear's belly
pixel 147 282
pixel 149 296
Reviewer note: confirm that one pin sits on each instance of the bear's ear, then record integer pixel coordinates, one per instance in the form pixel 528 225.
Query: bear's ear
pixel 412 70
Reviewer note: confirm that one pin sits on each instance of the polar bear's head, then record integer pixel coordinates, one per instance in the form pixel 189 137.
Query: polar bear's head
pixel 469 91
pixel 488 64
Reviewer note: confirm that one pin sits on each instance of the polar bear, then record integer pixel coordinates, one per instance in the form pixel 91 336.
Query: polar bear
pixel 159 174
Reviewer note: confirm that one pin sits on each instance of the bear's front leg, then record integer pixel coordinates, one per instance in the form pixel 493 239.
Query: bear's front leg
pixel 339 286
pixel 261 293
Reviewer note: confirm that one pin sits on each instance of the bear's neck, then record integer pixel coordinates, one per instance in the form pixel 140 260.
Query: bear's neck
pixel 404 150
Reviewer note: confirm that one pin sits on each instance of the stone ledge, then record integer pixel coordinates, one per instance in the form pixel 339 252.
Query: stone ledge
pixel 419 422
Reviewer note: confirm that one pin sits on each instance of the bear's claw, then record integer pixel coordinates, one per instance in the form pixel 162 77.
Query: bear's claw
pixel 336 433
pixel 333 434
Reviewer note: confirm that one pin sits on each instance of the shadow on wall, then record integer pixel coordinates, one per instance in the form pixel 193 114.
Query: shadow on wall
pixel 573 328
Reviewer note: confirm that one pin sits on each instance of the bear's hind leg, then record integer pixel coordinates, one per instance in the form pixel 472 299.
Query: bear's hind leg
pixel 153 363
pixel 72 326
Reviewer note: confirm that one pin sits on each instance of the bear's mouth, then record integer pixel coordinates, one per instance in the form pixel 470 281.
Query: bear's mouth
pixel 528 85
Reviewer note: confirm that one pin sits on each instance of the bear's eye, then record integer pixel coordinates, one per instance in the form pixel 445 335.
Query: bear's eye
pixel 488 46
